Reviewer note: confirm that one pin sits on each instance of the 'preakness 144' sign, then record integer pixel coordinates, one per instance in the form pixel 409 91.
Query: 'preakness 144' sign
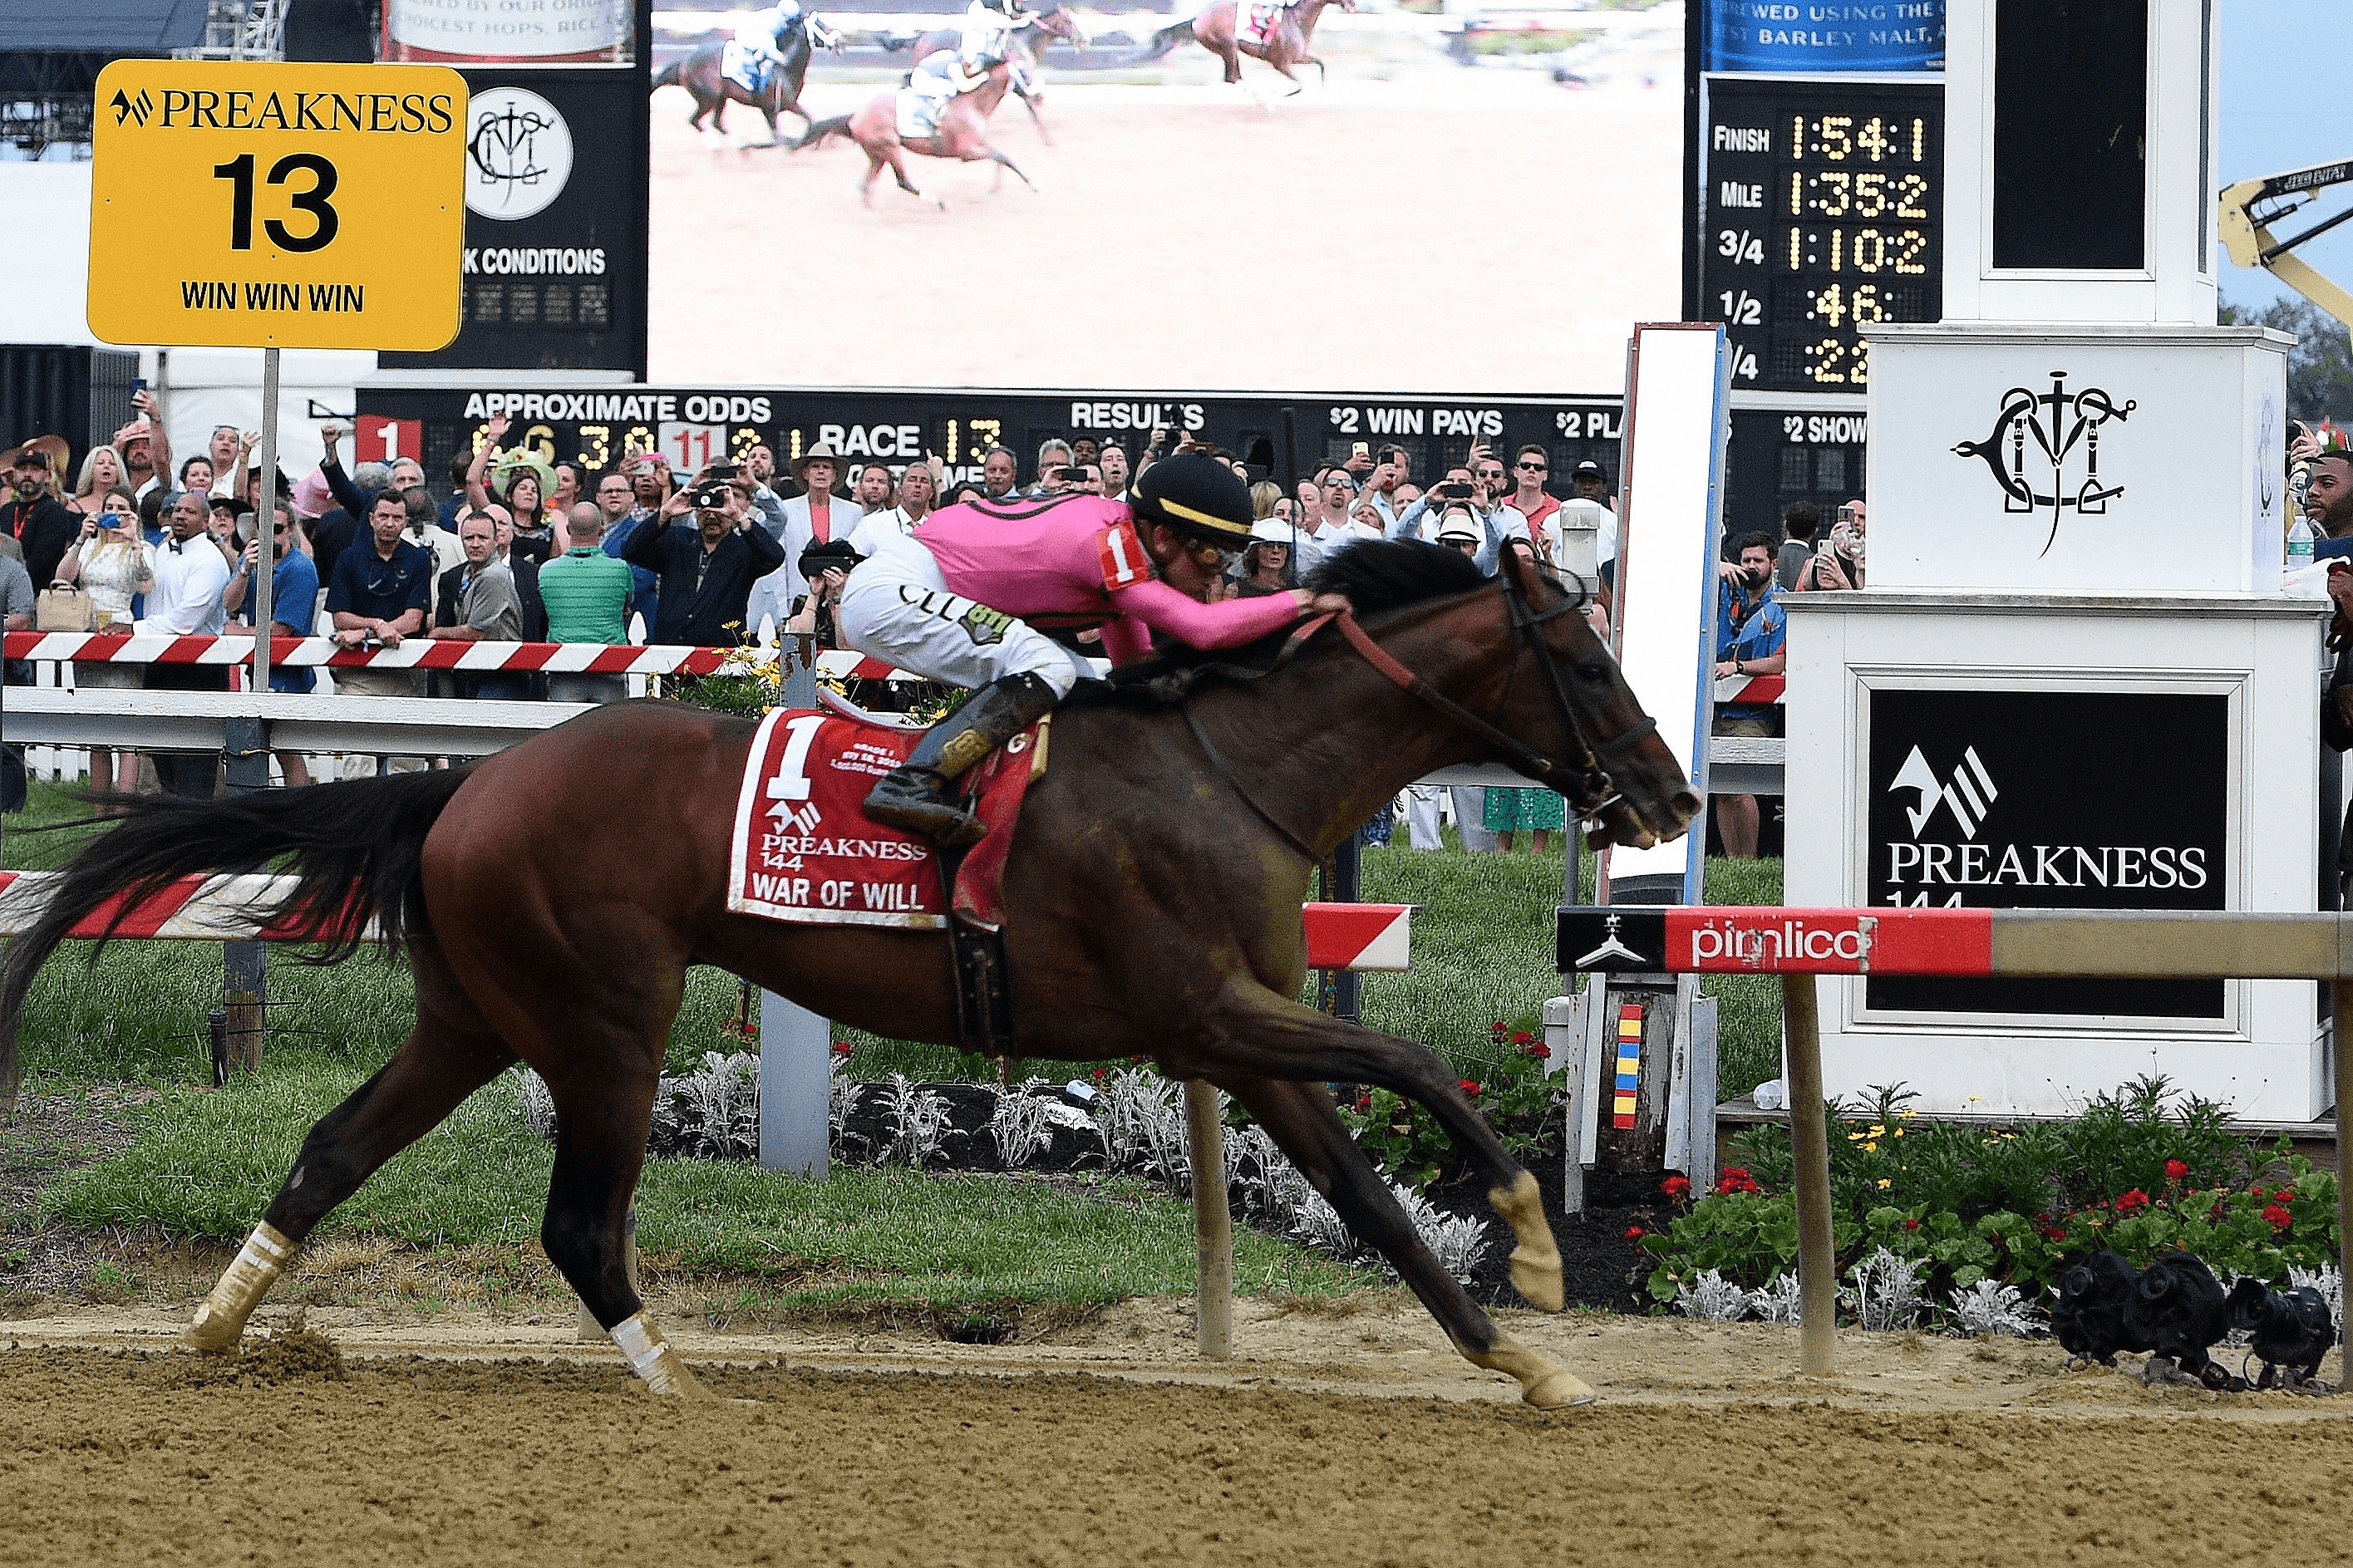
pixel 267 205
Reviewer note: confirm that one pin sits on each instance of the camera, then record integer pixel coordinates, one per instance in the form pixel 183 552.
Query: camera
pixel 710 497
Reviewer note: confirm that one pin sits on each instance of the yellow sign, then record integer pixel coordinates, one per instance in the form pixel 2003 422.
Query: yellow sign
pixel 264 206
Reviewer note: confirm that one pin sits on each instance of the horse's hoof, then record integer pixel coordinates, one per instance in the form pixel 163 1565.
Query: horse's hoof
pixel 1559 1390
pixel 212 1332
pixel 1536 1276
pixel 670 1378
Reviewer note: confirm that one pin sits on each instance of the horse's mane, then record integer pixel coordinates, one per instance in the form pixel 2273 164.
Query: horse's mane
pixel 1377 576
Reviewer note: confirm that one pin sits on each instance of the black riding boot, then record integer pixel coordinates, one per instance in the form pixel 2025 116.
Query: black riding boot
pixel 916 795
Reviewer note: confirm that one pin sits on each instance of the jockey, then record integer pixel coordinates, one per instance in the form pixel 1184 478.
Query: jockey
pixel 759 37
pixel 989 30
pixel 938 79
pixel 953 601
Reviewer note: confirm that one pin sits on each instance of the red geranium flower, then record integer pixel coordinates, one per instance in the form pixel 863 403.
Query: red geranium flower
pixel 1911 1225
pixel 1496 1028
pixel 1675 1186
pixel 841 1047
pixel 1522 1037
pixel 1471 1088
pixel 2134 1199
pixel 2279 1217
pixel 1539 1050
pixel 1733 1179
pixel 2176 1169
pixel 1633 1233
pixel 2256 1193
pixel 1364 1103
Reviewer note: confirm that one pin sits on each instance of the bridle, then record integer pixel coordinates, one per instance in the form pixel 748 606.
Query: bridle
pixel 1590 790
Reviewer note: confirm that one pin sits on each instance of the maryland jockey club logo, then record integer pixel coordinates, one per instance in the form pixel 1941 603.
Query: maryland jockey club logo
pixel 1968 794
pixel 137 109
pixel 2064 428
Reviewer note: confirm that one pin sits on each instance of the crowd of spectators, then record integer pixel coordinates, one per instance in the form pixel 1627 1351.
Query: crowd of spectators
pixel 512 547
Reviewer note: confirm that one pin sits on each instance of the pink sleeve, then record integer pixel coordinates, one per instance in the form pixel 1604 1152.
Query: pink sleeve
pixel 1228 623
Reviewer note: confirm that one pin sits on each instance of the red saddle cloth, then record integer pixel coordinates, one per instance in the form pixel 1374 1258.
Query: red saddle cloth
pixel 805 849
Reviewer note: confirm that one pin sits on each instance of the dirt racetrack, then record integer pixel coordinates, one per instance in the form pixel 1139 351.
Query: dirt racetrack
pixel 1343 1441
pixel 1455 231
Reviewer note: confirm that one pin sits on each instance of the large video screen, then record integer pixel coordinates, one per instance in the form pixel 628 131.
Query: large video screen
pixel 1447 202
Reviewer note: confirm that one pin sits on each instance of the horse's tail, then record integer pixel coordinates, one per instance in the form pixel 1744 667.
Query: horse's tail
pixel 670 75
pixel 354 849
pixel 838 125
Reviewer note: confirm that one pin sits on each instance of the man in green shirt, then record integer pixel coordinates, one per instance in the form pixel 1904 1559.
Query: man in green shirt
pixel 588 597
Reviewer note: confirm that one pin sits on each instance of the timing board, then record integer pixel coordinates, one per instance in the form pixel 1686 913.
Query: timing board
pixel 1820 214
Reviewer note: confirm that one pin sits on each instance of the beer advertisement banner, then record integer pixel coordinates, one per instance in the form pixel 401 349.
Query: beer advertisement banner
pixel 2060 800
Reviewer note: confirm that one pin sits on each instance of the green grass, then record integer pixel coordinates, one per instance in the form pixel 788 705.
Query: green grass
pixel 1482 952
pixel 206 1164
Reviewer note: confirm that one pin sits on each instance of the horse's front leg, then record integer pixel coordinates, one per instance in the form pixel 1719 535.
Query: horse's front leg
pixel 1029 102
pixel 1257 1032
pixel 1302 1122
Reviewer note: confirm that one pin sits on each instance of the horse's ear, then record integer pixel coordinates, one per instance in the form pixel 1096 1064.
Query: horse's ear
pixel 1517 558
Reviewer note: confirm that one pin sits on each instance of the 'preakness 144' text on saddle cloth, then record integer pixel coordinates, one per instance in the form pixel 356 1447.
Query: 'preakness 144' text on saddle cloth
pixel 805 850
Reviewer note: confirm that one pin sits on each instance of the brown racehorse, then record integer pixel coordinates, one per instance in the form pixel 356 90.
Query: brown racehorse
pixel 963 135
pixel 1215 28
pixel 712 91
pixel 1026 56
pixel 1152 900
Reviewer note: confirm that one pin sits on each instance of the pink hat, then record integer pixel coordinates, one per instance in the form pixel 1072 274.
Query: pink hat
pixel 311 498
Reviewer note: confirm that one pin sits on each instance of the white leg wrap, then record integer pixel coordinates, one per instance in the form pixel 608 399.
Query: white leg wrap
pixel 651 1355
pixel 221 1320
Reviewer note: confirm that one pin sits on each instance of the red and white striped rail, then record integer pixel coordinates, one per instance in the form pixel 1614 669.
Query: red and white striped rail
pixel 1359 936
pixel 420 653
pixel 1753 690
pixel 226 909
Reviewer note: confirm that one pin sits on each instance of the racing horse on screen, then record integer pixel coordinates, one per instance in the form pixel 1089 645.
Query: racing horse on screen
pixel 1281 35
pixel 704 75
pixel 960 133
pixel 1151 907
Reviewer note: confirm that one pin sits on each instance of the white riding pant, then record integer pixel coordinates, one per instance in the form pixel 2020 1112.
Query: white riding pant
pixel 896 606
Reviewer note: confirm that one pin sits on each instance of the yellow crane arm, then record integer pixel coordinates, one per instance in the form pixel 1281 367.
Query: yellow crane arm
pixel 2249 209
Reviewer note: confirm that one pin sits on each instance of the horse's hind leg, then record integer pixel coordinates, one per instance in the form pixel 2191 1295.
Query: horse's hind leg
pixel 1275 1036
pixel 451 1053
pixel 1003 163
pixel 1300 1119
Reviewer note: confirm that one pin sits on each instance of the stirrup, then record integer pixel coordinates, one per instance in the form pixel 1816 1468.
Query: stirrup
pixel 921 802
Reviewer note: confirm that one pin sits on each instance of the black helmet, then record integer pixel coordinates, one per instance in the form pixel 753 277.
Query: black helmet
pixel 1197 494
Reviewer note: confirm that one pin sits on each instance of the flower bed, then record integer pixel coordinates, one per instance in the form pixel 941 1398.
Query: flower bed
pixel 2140 1171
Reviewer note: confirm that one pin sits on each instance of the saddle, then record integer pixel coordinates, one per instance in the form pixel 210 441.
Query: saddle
pixel 745 69
pixel 1256 20
pixel 804 850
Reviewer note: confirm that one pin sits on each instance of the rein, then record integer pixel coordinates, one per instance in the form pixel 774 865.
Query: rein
pixel 1597 793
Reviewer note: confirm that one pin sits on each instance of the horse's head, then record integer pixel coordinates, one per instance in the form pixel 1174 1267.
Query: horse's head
pixel 1605 750
pixel 1055 22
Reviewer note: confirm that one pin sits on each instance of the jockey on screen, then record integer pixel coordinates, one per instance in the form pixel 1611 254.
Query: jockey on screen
pixel 987 41
pixel 953 601
pixel 759 39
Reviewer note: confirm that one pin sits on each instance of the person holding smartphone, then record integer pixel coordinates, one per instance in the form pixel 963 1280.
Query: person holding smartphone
pixel 113 564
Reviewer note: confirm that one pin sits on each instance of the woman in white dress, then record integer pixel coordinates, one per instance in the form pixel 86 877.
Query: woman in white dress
pixel 113 565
